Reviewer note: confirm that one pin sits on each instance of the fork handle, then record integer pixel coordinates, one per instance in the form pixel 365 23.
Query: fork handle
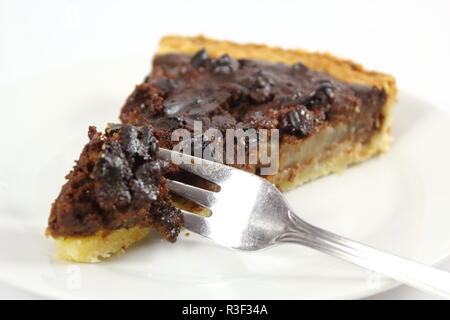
pixel 414 274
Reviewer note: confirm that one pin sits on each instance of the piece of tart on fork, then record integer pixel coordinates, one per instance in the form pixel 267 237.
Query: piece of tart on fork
pixel 330 113
pixel 115 193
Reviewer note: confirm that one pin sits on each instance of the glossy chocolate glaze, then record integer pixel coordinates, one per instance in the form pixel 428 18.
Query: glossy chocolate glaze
pixel 228 93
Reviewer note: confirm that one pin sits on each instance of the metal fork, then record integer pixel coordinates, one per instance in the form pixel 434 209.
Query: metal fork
pixel 249 213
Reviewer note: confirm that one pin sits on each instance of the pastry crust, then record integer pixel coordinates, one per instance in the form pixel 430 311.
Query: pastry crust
pixel 98 247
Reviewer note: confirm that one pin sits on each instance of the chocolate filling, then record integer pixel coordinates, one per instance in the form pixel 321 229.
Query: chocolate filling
pixel 116 183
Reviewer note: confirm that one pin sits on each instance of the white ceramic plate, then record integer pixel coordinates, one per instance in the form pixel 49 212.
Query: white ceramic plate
pixel 398 202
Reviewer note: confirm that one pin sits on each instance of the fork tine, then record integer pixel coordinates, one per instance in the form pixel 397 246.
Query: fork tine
pixel 195 223
pixel 200 196
pixel 209 170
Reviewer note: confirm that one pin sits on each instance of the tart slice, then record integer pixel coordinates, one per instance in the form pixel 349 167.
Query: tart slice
pixel 330 113
pixel 114 195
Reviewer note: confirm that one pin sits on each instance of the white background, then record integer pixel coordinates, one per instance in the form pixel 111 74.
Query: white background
pixel 409 39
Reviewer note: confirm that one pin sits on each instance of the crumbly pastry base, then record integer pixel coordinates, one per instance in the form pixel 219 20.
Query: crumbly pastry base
pixel 293 171
pixel 99 246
